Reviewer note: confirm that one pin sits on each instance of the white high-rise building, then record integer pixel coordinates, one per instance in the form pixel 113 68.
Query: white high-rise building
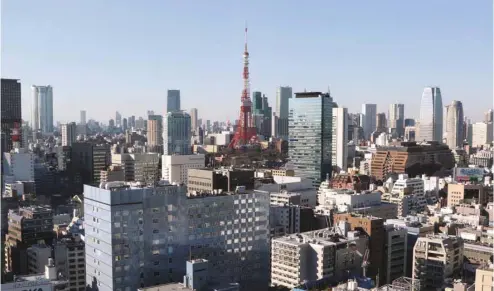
pixel 340 139
pixel 481 133
pixel 175 167
pixel 396 119
pixel 431 115
pixel 454 124
pixel 137 235
pixel 69 133
pixel 369 118
pixel 42 111
pixel 173 101
pixel 283 94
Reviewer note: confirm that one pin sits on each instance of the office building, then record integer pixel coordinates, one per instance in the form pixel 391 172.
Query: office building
pixel 283 96
pixel 369 118
pixel 454 125
pixel 396 119
pixel 27 226
pixel 139 237
pixel 339 147
pixel 11 110
pixel 175 168
pixel 395 252
pixel 89 160
pixel 138 167
pixel 70 260
pixel 482 134
pixel 219 180
pixel 37 258
pixel 114 173
pixel 436 258
pixel 411 158
pixel 310 131
pixel 177 134
pixel 484 278
pixel 82 126
pixel 489 116
pixel 42 119
pixel 47 280
pixel 155 131
pixel 18 165
pixel 431 115
pixel 459 193
pixel 173 101
pixel 69 133
pixel 193 119
pixel 316 255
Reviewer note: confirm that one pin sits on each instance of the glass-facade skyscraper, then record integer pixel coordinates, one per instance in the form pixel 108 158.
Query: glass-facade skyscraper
pixel 173 101
pixel 454 124
pixel 310 135
pixel 431 115
pixel 42 108
pixel 177 134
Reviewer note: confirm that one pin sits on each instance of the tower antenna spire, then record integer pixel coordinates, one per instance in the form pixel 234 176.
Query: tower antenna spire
pixel 246 36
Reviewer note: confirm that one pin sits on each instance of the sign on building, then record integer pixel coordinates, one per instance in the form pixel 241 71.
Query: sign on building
pixel 466 174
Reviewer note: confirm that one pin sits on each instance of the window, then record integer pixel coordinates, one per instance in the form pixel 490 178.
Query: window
pixel 156 231
pixel 155 220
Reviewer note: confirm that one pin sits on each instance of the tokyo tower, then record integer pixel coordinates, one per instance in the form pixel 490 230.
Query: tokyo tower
pixel 246 132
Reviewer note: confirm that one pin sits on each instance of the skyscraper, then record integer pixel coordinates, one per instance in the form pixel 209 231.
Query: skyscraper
pixel 193 119
pixel 339 153
pixel 431 115
pixel 368 119
pixel 118 119
pixel 396 119
pixel 69 133
pixel 283 95
pixel 256 102
pixel 310 135
pixel 83 117
pixel 381 122
pixel 489 116
pixel 176 134
pixel 11 110
pixel 454 124
pixel 42 108
pixel 173 101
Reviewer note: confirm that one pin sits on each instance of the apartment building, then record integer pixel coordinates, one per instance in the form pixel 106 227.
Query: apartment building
pixel 484 279
pixel 70 261
pixel 139 167
pixel 37 258
pixel 459 193
pixel 435 258
pixel 315 255
pixel 175 167
pixel 395 252
pixel 140 236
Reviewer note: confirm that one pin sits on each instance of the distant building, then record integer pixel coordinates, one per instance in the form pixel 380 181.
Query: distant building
pixel 193 119
pixel 175 168
pixel 89 160
pixel 454 125
pixel 431 115
pixel 173 101
pixel 177 134
pixel 42 119
pixel 283 95
pixel 482 134
pixel 155 131
pixel 69 133
pixel 396 119
pixel 339 147
pixel 369 118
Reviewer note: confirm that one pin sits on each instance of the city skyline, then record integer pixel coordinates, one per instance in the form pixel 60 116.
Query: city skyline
pixel 359 58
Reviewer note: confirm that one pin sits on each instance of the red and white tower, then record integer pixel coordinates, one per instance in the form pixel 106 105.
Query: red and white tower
pixel 246 132
pixel 16 136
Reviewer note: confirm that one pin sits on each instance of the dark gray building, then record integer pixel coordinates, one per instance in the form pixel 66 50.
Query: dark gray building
pixel 11 110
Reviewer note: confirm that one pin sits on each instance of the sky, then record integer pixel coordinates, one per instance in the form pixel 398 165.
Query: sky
pixel 104 56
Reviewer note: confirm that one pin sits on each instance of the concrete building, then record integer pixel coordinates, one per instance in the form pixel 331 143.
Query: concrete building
pixel 454 125
pixel 177 134
pixel 47 280
pixel 436 258
pixel 285 186
pixel 459 193
pixel 69 133
pixel 138 237
pixel 395 252
pixel 89 160
pixel 316 255
pixel 138 167
pixel 310 135
pixel 484 279
pixel 175 168
pixel 173 101
pixel 219 180
pixel 339 148
pixel 193 119
pixel 70 260
pixel 114 173
pixel 431 115
pixel 27 226
pixel 37 258
pixel 18 165
pixel 482 134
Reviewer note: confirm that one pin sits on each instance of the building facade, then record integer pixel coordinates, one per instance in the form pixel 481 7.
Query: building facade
pixel 175 168
pixel 69 133
pixel 339 155
pixel 11 110
pixel 369 118
pixel 454 125
pixel 431 115
pixel 396 119
pixel 155 131
pixel 283 95
pixel 310 130
pixel 42 119
pixel 173 101
pixel 177 134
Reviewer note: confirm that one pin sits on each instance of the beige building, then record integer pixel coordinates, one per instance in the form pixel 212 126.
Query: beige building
pixel 435 258
pixel 484 279
pixel 459 193
pixel 114 173
pixel 155 130
pixel 315 255
pixel 174 168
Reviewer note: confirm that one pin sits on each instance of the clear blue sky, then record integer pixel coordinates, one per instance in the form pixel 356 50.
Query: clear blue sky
pixel 123 55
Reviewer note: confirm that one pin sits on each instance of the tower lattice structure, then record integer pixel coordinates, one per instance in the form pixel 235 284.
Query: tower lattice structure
pixel 246 132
